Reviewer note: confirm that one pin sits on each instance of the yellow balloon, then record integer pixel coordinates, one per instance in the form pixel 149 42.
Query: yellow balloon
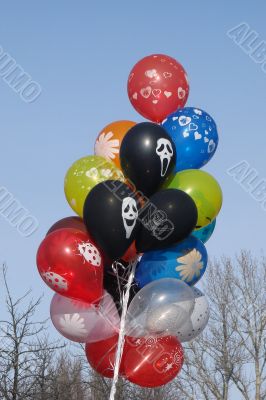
pixel 83 175
pixel 204 190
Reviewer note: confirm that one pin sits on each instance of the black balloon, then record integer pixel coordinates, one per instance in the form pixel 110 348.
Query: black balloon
pixel 147 156
pixel 168 217
pixel 115 287
pixel 111 216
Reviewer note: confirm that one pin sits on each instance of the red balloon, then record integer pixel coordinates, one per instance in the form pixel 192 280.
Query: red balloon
pixel 157 86
pixel 70 264
pixel 131 253
pixel 152 362
pixel 101 356
pixel 69 222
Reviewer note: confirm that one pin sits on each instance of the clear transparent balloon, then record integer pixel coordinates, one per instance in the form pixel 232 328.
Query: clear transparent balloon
pixel 82 322
pixel 198 319
pixel 160 308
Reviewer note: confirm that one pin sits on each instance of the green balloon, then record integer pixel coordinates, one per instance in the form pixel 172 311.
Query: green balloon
pixel 204 190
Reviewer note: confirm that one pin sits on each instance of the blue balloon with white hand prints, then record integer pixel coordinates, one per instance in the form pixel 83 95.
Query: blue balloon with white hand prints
pixel 186 261
pixel 205 233
pixel 195 136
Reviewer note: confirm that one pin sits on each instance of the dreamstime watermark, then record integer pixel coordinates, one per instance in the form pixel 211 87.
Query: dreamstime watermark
pixel 15 214
pixel 17 79
pixel 248 178
pixel 250 42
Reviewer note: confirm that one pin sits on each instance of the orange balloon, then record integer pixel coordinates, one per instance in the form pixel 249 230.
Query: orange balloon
pixel 109 140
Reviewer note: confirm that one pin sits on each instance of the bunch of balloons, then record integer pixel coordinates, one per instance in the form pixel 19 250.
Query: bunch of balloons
pixel 145 210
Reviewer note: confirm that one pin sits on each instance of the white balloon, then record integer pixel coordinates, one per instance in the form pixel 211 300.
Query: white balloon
pixel 82 322
pixel 161 307
pixel 197 320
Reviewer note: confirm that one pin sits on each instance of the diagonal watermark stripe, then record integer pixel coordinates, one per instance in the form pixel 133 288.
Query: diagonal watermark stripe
pixel 17 79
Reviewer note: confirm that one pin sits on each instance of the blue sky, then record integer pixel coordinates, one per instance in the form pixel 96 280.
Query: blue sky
pixel 81 53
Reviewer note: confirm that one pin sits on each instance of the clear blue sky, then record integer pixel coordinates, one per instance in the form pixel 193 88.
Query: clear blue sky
pixel 81 54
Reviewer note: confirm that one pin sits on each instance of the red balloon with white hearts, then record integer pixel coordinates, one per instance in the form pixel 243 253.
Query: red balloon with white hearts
pixel 70 264
pixel 157 86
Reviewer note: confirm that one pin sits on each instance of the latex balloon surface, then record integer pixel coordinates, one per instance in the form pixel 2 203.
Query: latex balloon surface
pixel 186 261
pixel 82 322
pixel 109 140
pixel 157 86
pixel 101 356
pixel 68 222
pixel 169 217
pixel 160 308
pixel 83 175
pixel 203 189
pixel 70 263
pixel 111 216
pixel 198 319
pixel 195 136
pixel 205 233
pixel 147 156
pixel 151 361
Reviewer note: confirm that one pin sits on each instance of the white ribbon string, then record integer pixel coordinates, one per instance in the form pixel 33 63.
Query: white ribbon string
pixel 121 338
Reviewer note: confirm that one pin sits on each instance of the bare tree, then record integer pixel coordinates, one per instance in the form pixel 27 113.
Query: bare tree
pixel 22 347
pixel 230 355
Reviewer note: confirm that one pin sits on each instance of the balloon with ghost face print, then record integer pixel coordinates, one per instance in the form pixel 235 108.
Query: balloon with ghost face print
pixel 195 136
pixel 111 216
pixel 186 261
pixel 197 320
pixel 147 156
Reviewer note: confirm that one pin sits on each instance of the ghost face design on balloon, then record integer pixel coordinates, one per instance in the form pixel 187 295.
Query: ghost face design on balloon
pixel 165 151
pixel 129 215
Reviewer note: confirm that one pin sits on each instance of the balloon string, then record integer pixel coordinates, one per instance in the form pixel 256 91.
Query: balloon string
pixel 121 339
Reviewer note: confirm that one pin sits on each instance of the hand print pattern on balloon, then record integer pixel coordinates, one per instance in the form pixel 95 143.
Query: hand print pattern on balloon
pixel 82 322
pixel 191 265
pixel 186 261
pixel 106 146
pixel 73 325
pixel 195 136
pixel 109 140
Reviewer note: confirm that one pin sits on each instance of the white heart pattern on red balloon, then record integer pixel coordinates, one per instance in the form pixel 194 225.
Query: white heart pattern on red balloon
pixel 181 93
pixel 167 94
pixel 156 92
pixel 146 92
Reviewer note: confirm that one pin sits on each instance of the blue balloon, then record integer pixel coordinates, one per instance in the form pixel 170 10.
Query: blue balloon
pixel 186 261
pixel 205 233
pixel 195 136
